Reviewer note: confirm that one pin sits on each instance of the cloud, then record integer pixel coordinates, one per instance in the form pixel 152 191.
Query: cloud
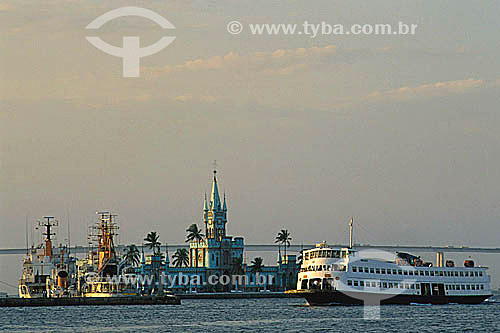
pixel 429 89
pixel 4 7
pixel 280 61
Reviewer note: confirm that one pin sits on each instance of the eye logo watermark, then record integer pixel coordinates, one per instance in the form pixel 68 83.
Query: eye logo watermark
pixel 131 52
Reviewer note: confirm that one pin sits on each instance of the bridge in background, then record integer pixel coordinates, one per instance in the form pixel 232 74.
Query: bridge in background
pixel 297 248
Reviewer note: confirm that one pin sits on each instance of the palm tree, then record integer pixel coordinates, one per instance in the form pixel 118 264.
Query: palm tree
pixel 256 265
pixel 131 255
pixel 284 239
pixel 277 240
pixel 194 233
pixel 181 258
pixel 153 243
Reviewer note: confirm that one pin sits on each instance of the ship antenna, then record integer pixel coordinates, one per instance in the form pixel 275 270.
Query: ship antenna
pixel 351 232
pixel 26 234
pixel 69 233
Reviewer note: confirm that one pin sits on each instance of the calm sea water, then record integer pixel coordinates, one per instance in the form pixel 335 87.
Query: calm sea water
pixel 263 315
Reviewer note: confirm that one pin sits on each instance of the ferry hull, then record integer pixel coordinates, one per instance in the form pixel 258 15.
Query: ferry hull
pixel 314 297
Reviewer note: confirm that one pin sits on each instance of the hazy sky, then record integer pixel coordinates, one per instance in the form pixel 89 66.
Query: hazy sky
pixel 402 132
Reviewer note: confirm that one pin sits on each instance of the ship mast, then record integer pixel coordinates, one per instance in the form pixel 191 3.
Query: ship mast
pixel 351 232
pixel 48 224
pixel 106 230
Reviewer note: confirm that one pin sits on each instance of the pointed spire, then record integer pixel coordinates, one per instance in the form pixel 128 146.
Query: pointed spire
pixel 215 198
pixel 224 207
pixel 205 205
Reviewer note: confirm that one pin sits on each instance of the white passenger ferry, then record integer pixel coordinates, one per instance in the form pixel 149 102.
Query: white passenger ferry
pixel 331 275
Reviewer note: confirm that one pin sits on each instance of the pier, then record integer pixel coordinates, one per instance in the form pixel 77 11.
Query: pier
pixel 90 301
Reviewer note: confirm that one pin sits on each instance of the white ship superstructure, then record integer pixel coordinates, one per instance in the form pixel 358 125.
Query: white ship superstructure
pixel 48 271
pixel 346 275
pixel 99 273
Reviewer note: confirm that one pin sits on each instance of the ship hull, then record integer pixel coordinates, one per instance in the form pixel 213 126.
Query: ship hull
pixel 360 298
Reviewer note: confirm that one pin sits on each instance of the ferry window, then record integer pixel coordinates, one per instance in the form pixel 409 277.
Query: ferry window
pixel 306 256
pixel 473 287
pixel 303 284
pixel 349 282
pixel 417 286
pixel 466 273
pixel 382 270
pixel 385 284
pixel 457 287
pixel 354 269
pixel 366 269
pixel 361 283
pixel 482 286
pixel 400 272
pixel 468 286
pixel 427 273
pixel 456 273
pixel 410 272
pixel 371 270
pixel 396 285
pixel 379 284
pixel 324 267
pixel 355 283
pixel 394 272
pixel 432 273
pixel 421 272
pixel 441 274
pixel 390 284
pixel 461 273
pixel 407 286
pixel 480 273
pixel 388 271
pixel 405 272
pixel 377 270
pixel 476 273
pixel 374 284
pixel 412 286
pixel 446 287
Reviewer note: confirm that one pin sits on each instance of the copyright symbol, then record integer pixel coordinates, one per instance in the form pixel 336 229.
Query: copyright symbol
pixel 234 27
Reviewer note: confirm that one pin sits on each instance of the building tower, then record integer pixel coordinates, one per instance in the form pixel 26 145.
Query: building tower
pixel 215 213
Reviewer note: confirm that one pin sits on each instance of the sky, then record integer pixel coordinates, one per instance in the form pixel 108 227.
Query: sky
pixel 401 132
